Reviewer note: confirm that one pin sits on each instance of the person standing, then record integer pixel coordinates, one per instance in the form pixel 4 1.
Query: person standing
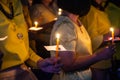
pixel 98 26
pixel 113 10
pixel 75 39
pixel 43 11
pixel 15 49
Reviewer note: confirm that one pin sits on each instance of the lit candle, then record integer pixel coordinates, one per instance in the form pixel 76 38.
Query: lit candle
pixel 57 44
pixel 112 33
pixel 35 28
pixel 59 11
pixel 36 24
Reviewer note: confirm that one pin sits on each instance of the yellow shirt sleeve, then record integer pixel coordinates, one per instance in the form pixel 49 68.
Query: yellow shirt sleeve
pixel 32 61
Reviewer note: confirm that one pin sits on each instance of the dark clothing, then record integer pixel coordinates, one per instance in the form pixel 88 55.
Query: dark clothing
pixel 1 55
pixel 20 72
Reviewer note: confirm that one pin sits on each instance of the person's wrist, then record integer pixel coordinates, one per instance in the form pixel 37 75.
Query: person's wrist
pixel 96 57
pixel 39 62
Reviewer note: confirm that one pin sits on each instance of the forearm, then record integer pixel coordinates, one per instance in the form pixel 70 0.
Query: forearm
pixel 84 62
pixel 72 62
pixel 33 59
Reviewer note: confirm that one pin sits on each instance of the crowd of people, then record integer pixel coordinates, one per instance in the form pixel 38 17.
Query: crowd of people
pixel 98 29
pixel 15 45
pixel 83 27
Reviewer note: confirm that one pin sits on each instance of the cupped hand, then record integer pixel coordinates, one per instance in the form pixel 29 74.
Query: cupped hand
pixel 106 52
pixel 50 65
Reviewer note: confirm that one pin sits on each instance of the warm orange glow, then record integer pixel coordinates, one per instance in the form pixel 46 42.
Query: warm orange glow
pixel 57 44
pixel 57 36
pixel 35 28
pixel 36 23
pixel 112 33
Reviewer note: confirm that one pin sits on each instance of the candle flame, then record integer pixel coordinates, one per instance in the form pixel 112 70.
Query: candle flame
pixel 59 11
pixel 57 35
pixel 111 29
pixel 36 23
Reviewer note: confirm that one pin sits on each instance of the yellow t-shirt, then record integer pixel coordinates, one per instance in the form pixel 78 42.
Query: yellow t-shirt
pixel 97 24
pixel 113 12
pixel 15 47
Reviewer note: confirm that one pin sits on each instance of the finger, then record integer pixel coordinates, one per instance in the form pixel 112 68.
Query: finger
pixel 50 61
pixel 58 65
pixel 56 70
pixel 53 69
pixel 112 48
pixel 55 60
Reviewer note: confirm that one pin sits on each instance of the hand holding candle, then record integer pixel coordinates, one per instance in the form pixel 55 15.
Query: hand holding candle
pixel 112 33
pixel 57 44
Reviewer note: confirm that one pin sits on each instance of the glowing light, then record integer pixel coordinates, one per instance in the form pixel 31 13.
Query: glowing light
pixel 57 44
pixel 112 33
pixel 36 23
pixel 59 11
